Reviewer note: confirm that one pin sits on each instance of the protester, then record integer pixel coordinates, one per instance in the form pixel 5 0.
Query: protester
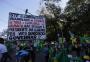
pixel 33 50
pixel 23 54
pixel 46 52
pixel 3 51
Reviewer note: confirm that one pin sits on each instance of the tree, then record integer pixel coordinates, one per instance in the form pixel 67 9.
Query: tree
pixel 52 12
pixel 78 13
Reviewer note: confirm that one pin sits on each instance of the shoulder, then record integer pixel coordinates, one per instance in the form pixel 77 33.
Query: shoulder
pixel 2 46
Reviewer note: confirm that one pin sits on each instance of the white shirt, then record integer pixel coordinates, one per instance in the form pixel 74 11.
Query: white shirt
pixel 3 48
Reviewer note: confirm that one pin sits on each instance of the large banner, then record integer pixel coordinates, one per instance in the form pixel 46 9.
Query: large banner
pixel 26 27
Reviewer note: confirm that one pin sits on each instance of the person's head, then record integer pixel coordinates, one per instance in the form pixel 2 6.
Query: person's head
pixel 1 40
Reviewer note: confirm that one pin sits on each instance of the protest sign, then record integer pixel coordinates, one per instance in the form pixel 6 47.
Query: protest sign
pixel 26 27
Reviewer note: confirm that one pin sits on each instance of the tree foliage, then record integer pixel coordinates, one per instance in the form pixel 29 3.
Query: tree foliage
pixel 78 13
pixel 75 17
pixel 51 10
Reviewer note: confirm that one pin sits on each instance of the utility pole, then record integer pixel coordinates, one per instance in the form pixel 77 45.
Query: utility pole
pixel 27 13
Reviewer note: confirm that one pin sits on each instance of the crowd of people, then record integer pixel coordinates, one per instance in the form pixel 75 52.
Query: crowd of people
pixel 16 53
pixel 28 53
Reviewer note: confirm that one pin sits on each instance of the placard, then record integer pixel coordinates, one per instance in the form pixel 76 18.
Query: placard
pixel 26 27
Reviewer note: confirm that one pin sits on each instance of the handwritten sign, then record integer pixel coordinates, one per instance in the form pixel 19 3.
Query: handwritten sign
pixel 26 27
